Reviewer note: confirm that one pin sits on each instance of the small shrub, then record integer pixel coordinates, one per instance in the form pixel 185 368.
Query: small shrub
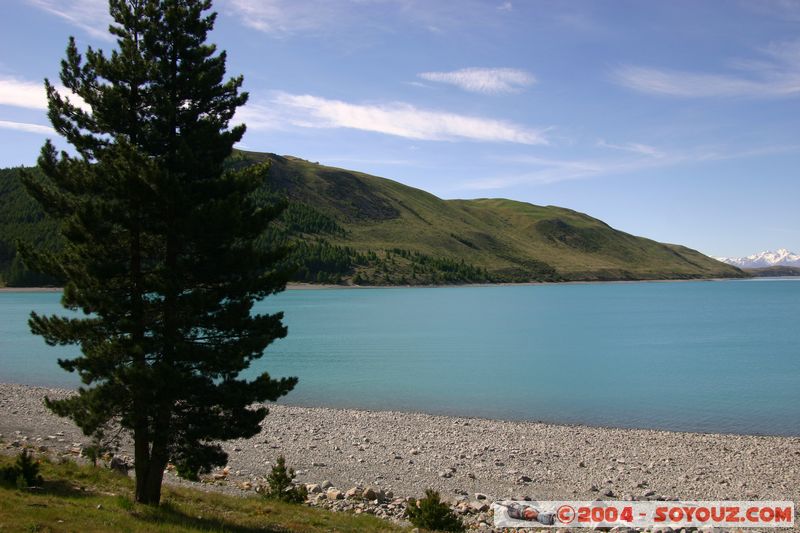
pixel 97 449
pixel 187 471
pixel 23 473
pixel 432 513
pixel 281 486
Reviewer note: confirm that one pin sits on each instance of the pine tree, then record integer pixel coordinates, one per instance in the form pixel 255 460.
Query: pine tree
pixel 165 250
pixel 280 486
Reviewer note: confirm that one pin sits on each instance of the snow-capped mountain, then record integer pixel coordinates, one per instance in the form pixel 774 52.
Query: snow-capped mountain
pixel 782 257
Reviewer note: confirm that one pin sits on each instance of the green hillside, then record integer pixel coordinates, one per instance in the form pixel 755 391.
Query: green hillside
pixel 350 227
pixel 504 239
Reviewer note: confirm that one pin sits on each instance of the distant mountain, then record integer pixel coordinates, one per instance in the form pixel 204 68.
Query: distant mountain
pixel 353 228
pixel 778 271
pixel 781 257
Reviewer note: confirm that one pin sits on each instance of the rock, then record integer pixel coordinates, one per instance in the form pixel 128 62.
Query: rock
pixel 480 496
pixel 479 506
pixel 334 494
pixel 371 493
pixel 317 464
pixel 608 492
pixel 524 479
pixel 327 484
pixel 313 488
pixel 118 465
pixel 355 492
pixel 445 474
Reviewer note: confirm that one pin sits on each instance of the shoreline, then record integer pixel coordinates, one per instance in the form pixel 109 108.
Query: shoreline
pixel 476 418
pixel 461 456
pixel 297 286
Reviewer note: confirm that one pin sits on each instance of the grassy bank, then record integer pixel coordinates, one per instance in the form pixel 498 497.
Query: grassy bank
pixel 86 499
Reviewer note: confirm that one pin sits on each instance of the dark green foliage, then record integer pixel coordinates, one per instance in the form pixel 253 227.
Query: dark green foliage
pixel 21 219
pixel 163 248
pixel 301 218
pixel 432 513
pixel 95 451
pixel 23 473
pixel 322 262
pixel 280 486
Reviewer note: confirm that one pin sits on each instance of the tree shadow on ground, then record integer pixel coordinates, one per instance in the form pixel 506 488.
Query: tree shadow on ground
pixel 62 489
pixel 166 514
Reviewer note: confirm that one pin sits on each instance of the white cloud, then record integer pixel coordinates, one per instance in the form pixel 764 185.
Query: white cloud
pixel 777 74
pixel 636 148
pixel 484 80
pixel 21 93
pixel 399 119
pixel 506 6
pixel 89 15
pixel 24 126
pixel 282 17
pixel 349 18
pixel 32 95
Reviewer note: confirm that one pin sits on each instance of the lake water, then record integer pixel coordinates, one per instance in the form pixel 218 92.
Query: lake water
pixel 720 356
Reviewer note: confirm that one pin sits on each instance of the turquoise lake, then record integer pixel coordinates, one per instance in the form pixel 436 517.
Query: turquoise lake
pixel 716 356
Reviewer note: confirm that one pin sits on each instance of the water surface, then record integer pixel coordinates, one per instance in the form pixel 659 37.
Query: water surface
pixel 720 356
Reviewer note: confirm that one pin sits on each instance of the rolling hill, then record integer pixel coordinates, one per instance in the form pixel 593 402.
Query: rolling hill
pixel 351 227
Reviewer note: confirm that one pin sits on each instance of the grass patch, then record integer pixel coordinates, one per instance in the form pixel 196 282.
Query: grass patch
pixel 88 499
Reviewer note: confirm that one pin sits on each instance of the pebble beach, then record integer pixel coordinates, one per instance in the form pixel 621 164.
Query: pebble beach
pixel 470 461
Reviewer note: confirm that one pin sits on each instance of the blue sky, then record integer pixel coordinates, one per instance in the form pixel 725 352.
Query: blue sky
pixel 678 121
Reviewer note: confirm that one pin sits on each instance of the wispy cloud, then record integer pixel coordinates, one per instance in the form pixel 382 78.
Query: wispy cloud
pixel 636 148
pixel 542 170
pixel 90 16
pixel 484 80
pixel 27 127
pixel 284 17
pixel 398 119
pixel 506 6
pixel 545 170
pixel 775 74
pixel 31 95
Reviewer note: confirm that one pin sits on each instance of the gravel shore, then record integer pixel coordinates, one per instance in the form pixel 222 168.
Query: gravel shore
pixel 405 453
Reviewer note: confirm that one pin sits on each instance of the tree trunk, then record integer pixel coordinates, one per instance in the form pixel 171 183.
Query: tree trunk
pixel 141 462
pixel 151 485
pixel 149 472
